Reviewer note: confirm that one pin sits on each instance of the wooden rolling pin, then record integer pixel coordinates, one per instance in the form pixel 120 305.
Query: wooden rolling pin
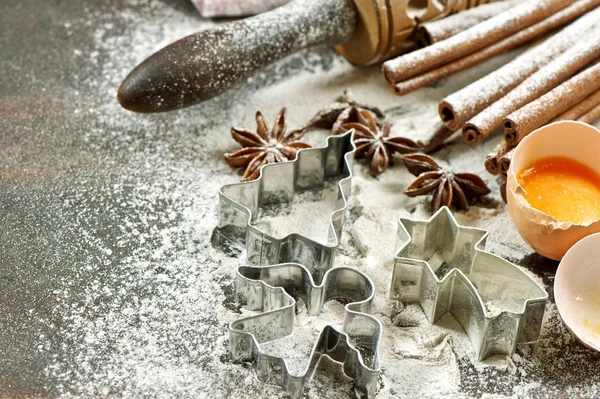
pixel 205 64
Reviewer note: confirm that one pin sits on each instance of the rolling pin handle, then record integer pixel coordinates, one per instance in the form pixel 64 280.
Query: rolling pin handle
pixel 205 64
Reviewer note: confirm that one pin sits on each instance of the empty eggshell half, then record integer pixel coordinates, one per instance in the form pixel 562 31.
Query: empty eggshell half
pixel 576 290
pixel 546 235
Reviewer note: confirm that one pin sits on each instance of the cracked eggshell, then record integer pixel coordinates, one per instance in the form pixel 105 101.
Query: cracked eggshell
pixel 576 290
pixel 546 235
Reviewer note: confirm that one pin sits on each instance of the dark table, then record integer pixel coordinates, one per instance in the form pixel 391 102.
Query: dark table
pixel 109 285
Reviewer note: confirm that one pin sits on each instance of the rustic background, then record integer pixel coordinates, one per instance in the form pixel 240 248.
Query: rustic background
pixel 109 284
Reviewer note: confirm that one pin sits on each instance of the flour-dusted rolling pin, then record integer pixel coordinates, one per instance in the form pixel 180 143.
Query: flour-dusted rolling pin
pixel 205 64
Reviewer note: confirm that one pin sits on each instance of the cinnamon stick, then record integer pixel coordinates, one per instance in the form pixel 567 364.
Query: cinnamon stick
pixel 537 113
pixel 580 109
pixel 435 31
pixel 545 79
pixel 505 161
pixel 503 190
pixel 492 160
pixel 440 134
pixel 519 38
pixel 481 35
pixel 461 106
pixel 591 116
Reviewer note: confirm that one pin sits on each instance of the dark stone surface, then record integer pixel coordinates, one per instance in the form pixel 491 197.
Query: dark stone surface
pixel 109 285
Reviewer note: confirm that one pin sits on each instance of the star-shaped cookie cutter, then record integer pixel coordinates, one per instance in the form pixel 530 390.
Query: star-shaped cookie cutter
pixel 272 289
pixel 239 204
pixel 443 267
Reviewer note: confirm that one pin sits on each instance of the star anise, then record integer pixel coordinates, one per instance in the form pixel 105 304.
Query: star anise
pixel 344 110
pixel 372 141
pixel 447 187
pixel 264 146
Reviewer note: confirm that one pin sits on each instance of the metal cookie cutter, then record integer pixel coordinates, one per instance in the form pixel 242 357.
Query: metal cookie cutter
pixel 443 267
pixel 239 204
pixel 272 290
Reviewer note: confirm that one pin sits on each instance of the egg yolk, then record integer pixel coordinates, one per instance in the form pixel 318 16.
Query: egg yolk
pixel 594 327
pixel 562 188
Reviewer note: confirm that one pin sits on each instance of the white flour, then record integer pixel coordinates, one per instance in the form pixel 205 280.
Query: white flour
pixel 309 213
pixel 153 320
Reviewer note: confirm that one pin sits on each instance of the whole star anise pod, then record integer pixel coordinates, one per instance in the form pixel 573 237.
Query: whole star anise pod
pixel 373 141
pixel 264 146
pixel 447 187
pixel 344 110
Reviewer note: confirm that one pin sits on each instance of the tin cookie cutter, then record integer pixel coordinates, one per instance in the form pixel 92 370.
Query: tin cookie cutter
pixel 272 290
pixel 239 204
pixel 443 267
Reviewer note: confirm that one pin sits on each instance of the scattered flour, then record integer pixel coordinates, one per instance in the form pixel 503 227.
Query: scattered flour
pixel 309 213
pixel 150 319
pixel 296 349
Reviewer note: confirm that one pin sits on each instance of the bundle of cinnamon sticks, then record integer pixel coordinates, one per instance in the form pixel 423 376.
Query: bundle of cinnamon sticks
pixel 557 78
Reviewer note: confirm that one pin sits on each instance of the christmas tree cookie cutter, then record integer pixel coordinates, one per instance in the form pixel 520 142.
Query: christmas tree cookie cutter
pixel 443 266
pixel 239 204
pixel 272 289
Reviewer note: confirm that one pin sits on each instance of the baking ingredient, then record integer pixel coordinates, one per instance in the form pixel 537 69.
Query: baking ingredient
pixel 542 110
pixel 580 109
pixel 438 136
pixel 541 82
pixel 593 327
pixel 448 188
pixel 373 141
pixel 462 105
pixel 526 35
pixel 492 160
pixel 505 161
pixel 475 38
pixel 591 116
pixel 552 227
pixel 265 146
pixel 311 210
pixel 437 30
pixel 562 188
pixel 344 110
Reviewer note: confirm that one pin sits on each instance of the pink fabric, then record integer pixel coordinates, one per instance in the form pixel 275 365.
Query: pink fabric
pixel 235 8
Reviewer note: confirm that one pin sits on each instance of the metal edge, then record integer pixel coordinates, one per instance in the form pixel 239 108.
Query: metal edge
pixel 479 249
pixel 365 376
pixel 343 190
